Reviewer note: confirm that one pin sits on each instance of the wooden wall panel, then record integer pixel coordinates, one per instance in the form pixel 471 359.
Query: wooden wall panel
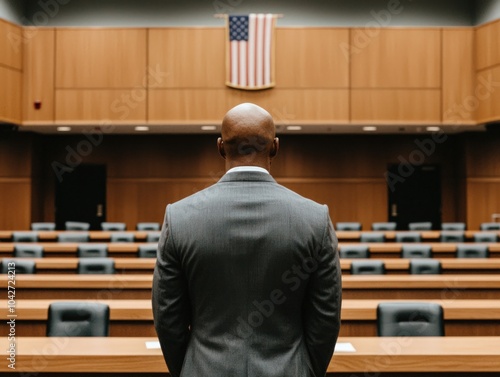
pixel 38 75
pixel 488 101
pixel 11 45
pixel 458 75
pixel 10 95
pixel 396 58
pixel 186 58
pixel 312 58
pixel 101 58
pixel 418 106
pixel 123 106
pixel 15 202
pixel 487 48
pixel 483 200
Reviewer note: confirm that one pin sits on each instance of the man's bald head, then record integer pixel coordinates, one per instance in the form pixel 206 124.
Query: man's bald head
pixel 248 135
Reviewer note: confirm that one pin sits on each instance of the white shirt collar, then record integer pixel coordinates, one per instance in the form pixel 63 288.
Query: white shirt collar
pixel 247 168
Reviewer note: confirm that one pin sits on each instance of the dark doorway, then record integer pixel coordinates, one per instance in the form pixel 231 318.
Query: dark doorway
pixel 414 195
pixel 81 196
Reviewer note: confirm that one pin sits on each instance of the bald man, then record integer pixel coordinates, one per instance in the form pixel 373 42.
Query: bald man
pixel 247 281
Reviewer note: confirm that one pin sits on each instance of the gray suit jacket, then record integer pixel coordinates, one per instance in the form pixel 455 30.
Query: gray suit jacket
pixel 247 282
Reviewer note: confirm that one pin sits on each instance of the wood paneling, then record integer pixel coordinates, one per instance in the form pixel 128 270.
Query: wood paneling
pixel 38 75
pixel 483 200
pixel 10 95
pixel 121 106
pixel 186 58
pixel 487 48
pixel 312 58
pixel 396 58
pixel 418 106
pixel 101 58
pixel 15 203
pixel 458 75
pixel 487 101
pixel 11 45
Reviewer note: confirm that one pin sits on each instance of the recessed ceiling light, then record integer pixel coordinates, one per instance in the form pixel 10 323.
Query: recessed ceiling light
pixel 141 128
pixel 369 128
pixel 63 129
pixel 208 128
pixel 433 129
pixel 294 128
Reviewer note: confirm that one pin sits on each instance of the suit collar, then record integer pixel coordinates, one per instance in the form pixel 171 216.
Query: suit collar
pixel 247 176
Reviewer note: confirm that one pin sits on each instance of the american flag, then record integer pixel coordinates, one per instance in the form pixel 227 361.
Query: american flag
pixel 250 51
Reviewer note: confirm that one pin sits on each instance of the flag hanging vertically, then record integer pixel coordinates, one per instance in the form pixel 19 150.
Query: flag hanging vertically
pixel 250 51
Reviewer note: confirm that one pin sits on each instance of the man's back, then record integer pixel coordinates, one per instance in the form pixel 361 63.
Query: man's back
pixel 252 268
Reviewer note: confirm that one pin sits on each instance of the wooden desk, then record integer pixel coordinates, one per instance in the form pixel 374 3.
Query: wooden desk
pixel 126 356
pixel 135 317
pixel 95 235
pixel 104 287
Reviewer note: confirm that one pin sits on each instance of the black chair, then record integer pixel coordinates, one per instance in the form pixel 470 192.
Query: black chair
pixel 346 226
pixel 367 267
pixel 402 237
pixel 91 266
pixel 485 237
pixel 107 226
pixel 472 251
pixel 425 225
pixel 416 251
pixel 76 225
pixel 20 266
pixel 43 226
pixel 452 236
pixel 92 250
pixel 410 319
pixel 78 319
pixel 384 226
pixel 24 237
pixel 148 226
pixel 28 251
pixel 490 226
pixel 354 251
pixel 153 236
pixel 73 237
pixel 147 250
pixel 122 237
pixel 425 267
pixel 372 237
pixel 453 226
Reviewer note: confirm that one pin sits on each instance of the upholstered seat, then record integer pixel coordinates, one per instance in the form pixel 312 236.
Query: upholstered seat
pixel 28 251
pixel 147 250
pixel 425 267
pixel 346 226
pixel 416 251
pixel 372 237
pixel 472 251
pixel 92 250
pixel 367 267
pixel 113 226
pixel 105 266
pixel 410 319
pixel 354 251
pixel 78 319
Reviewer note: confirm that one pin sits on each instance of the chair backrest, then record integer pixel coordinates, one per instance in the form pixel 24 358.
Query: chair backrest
pixel 113 226
pixel 24 237
pixel 20 266
pixel 408 237
pixel 384 226
pixel 153 236
pixel 372 237
pixel 43 226
pixel 147 250
pixel 78 319
pixel 28 251
pixel 367 267
pixel 410 319
pixel 485 237
pixel 92 250
pixel 122 237
pixel 452 236
pixel 76 225
pixel 490 226
pixel 453 226
pixel 416 251
pixel 354 251
pixel 345 226
pixel 425 267
pixel 472 251
pixel 73 237
pixel 92 266
pixel 148 226
pixel 424 225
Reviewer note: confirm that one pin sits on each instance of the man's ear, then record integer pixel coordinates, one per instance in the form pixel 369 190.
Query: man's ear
pixel 275 147
pixel 220 147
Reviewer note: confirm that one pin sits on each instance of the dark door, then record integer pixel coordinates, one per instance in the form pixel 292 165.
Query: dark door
pixel 81 196
pixel 414 195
